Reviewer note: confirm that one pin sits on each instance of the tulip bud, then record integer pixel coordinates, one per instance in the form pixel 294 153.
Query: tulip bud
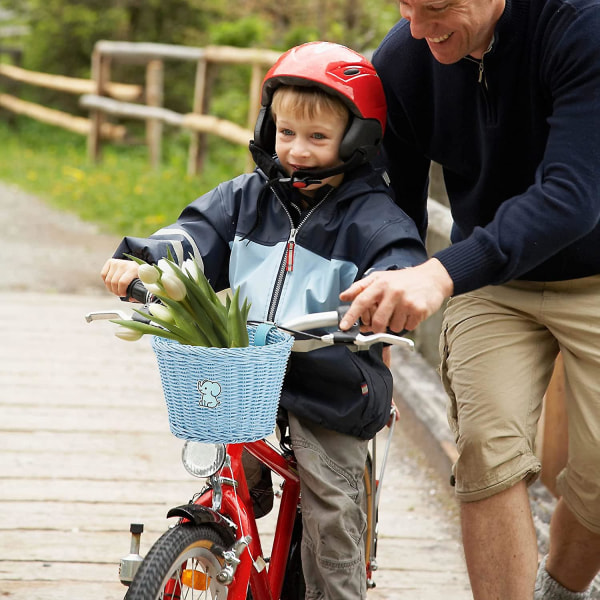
pixel 154 289
pixel 148 273
pixel 161 311
pixel 174 287
pixel 129 335
pixel 165 267
pixel 190 266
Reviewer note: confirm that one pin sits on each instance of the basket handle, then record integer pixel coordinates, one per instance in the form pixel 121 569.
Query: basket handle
pixel 261 333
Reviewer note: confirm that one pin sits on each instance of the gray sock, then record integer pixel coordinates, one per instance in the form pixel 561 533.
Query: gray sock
pixel 547 588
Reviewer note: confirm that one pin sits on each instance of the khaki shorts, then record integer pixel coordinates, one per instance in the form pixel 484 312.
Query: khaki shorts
pixel 497 348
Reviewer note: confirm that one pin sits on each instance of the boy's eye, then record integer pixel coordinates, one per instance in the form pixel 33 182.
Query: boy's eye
pixel 319 136
pixel 286 132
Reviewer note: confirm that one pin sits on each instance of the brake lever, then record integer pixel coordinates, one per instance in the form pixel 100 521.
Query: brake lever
pixel 106 314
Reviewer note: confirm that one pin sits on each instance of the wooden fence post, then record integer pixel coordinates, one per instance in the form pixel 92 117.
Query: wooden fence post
pixel 101 76
pixel 154 97
pixel 197 141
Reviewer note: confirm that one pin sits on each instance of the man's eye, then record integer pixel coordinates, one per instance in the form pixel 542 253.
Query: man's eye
pixel 438 8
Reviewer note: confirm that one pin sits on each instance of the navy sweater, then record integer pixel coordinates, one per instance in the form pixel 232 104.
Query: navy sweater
pixel 517 135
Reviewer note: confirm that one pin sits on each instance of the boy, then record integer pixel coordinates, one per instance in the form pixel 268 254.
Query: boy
pixel 311 219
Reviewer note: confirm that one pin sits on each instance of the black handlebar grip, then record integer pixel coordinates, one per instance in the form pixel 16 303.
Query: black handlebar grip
pixel 341 311
pixel 137 291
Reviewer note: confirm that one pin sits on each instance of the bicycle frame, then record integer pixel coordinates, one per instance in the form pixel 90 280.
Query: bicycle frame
pixel 227 504
pixel 231 498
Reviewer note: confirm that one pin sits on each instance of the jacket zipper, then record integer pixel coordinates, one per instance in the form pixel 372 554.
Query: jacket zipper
pixel 287 261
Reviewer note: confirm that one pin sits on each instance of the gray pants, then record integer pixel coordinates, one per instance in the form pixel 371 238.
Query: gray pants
pixel 331 467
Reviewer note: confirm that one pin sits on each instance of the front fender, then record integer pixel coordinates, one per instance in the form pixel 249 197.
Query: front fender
pixel 202 515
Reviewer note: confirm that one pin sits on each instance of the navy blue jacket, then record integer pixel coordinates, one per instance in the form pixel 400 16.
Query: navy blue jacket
pixel 517 135
pixel 350 230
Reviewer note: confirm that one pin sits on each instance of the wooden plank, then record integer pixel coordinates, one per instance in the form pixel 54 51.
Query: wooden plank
pixel 58 118
pixel 72 85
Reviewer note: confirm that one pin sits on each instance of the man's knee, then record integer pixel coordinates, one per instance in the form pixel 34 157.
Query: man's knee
pixel 488 465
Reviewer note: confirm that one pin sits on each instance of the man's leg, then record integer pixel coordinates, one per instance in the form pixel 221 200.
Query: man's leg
pixel 574 557
pixel 500 545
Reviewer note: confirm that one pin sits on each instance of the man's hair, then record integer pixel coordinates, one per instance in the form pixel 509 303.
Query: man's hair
pixel 306 102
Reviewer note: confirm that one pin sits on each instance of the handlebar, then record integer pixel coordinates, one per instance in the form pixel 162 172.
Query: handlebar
pixel 297 327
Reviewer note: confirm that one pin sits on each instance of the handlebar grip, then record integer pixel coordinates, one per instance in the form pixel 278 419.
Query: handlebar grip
pixel 341 311
pixel 137 291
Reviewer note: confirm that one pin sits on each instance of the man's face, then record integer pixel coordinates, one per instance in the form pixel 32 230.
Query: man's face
pixel 453 29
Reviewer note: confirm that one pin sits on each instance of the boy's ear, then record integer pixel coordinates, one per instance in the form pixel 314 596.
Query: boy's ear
pixel 363 135
pixel 264 130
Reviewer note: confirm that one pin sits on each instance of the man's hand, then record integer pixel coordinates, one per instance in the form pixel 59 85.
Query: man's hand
pixel 118 274
pixel 397 299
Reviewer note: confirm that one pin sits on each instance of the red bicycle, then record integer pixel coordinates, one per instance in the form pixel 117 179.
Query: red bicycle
pixel 215 550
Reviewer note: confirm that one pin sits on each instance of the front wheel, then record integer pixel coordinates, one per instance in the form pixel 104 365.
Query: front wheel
pixel 183 563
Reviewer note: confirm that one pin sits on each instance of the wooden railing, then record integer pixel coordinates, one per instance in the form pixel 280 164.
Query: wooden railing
pixel 70 85
pixel 153 112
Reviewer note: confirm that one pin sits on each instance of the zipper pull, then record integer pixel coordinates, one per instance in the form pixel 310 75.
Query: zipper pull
pixel 291 245
pixel 480 71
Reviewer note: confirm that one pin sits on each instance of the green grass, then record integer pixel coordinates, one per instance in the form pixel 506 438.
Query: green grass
pixel 122 194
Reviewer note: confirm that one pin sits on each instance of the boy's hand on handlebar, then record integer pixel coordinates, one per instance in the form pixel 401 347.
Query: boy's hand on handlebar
pixel 397 300
pixel 117 274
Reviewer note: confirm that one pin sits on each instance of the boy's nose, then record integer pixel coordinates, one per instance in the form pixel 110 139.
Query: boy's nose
pixel 299 147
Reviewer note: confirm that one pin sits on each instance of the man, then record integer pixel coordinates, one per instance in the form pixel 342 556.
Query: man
pixel 505 95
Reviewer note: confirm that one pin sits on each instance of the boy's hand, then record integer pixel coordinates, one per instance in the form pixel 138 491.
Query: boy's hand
pixel 118 274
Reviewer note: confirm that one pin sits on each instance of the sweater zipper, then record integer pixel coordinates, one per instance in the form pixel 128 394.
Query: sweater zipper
pixel 481 79
pixel 287 261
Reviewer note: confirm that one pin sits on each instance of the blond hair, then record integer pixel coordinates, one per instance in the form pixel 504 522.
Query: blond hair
pixel 306 102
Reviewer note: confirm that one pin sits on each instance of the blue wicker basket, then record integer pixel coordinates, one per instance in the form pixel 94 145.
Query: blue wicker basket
pixel 223 395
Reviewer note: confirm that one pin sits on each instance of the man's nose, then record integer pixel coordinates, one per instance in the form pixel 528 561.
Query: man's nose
pixel 418 27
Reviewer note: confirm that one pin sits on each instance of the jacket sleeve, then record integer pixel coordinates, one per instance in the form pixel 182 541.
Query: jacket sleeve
pixel 202 232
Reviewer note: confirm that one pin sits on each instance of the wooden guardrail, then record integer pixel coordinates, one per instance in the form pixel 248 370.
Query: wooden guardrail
pixel 153 112
pixel 69 85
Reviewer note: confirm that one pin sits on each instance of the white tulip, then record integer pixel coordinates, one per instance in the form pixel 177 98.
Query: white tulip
pixel 190 266
pixel 154 288
pixel 161 311
pixel 174 287
pixel 165 267
pixel 129 335
pixel 148 273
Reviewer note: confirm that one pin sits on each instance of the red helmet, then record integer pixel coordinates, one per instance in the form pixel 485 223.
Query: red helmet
pixel 341 72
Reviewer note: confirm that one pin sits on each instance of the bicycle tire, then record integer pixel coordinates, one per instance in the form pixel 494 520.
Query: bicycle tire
pixel 196 548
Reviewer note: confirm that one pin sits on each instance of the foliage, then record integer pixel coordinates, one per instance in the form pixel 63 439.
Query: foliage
pixel 122 194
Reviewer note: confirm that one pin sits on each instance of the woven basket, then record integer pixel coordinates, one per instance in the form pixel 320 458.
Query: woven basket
pixel 223 395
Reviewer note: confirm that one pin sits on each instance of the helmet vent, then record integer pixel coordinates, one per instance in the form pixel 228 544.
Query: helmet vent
pixel 352 71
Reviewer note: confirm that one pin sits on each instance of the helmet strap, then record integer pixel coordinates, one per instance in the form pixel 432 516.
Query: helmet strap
pixel 300 179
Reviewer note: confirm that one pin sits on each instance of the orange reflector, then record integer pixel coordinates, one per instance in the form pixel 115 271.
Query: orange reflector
pixel 195 579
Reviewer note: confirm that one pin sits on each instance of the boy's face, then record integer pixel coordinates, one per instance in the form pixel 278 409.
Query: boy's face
pixel 304 144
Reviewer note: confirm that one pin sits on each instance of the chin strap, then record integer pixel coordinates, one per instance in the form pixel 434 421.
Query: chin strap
pixel 300 179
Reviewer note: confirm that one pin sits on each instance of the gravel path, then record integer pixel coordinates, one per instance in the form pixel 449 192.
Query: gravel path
pixel 49 251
